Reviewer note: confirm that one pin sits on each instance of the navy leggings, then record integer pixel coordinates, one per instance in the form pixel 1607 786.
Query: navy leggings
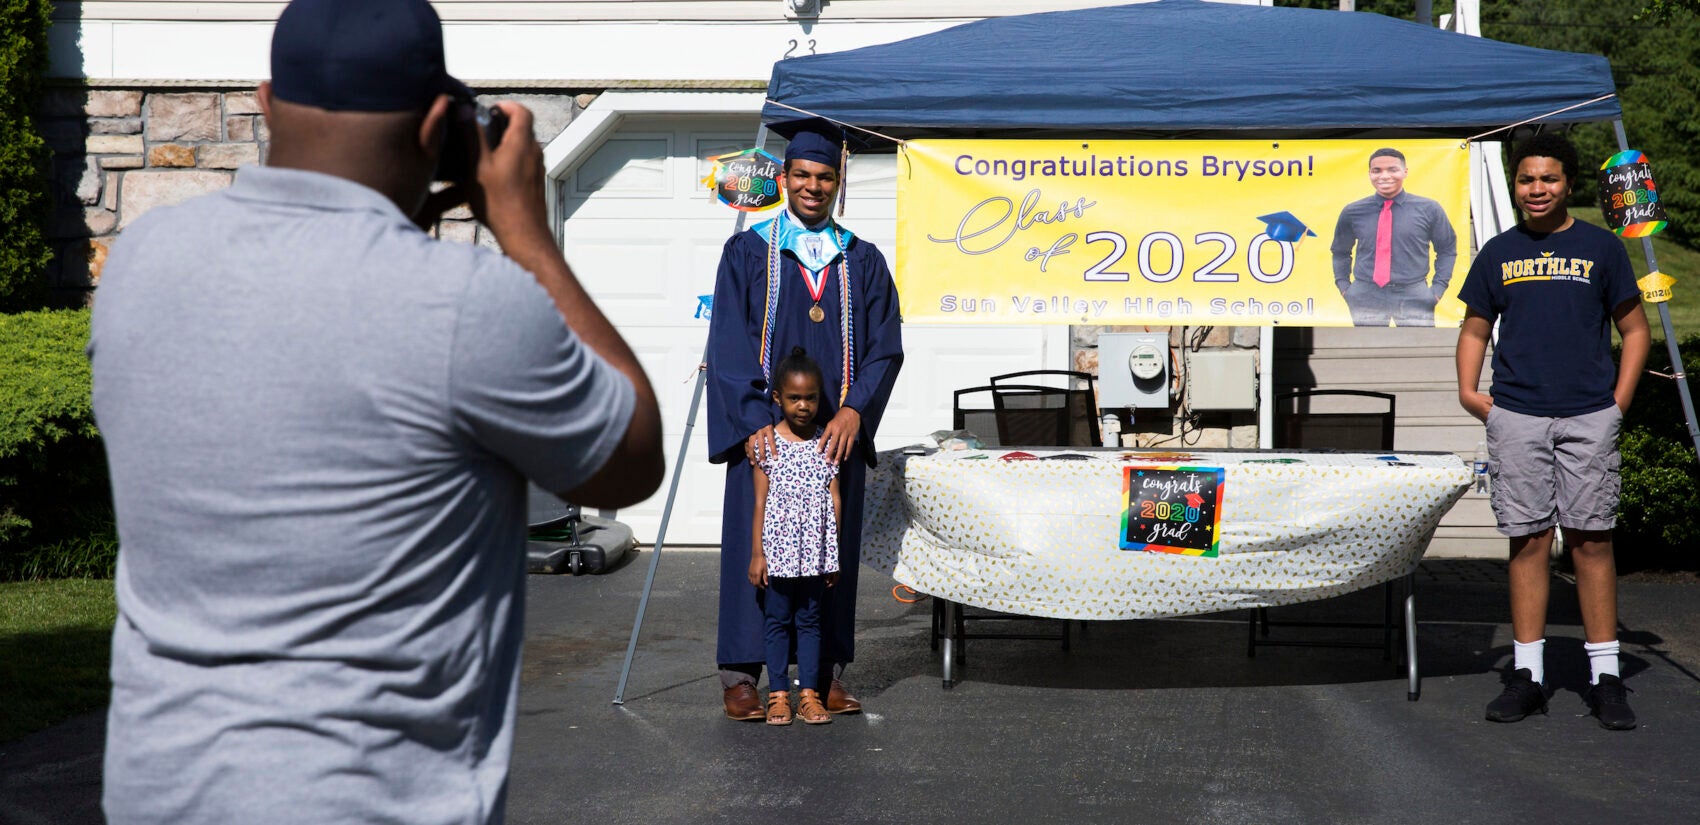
pixel 793 606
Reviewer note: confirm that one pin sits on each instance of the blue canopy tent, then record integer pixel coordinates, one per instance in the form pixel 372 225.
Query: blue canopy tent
pixel 1189 68
pixel 1174 69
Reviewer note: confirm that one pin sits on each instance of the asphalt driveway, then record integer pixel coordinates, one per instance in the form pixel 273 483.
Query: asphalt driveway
pixel 1148 721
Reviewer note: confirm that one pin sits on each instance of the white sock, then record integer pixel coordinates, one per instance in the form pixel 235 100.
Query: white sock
pixel 1529 656
pixel 1602 659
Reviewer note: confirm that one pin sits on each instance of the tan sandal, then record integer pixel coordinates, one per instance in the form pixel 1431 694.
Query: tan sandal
pixel 811 711
pixel 778 708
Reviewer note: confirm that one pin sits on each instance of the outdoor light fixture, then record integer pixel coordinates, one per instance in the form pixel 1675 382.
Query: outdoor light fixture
pixel 802 8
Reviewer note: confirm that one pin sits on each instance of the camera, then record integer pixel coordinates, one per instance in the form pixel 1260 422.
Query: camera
pixel 456 162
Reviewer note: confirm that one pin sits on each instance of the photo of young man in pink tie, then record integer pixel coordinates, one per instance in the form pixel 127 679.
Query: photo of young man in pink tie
pixel 1381 250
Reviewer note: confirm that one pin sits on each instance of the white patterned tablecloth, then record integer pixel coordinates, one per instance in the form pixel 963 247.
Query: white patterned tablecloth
pixel 1040 537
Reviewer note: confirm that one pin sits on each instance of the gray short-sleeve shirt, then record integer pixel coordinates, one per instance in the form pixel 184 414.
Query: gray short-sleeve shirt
pixel 320 423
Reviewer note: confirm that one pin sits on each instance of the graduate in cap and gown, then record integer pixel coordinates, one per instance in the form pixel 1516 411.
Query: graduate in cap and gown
pixel 798 280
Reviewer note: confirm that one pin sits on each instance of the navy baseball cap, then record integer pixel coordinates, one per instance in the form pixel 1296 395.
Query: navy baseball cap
pixel 361 55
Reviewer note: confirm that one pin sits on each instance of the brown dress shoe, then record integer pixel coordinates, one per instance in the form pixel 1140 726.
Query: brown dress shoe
pixel 742 704
pixel 839 700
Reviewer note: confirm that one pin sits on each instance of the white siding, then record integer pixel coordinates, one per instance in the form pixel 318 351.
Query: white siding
pixel 723 11
pixel 1418 367
pixel 575 43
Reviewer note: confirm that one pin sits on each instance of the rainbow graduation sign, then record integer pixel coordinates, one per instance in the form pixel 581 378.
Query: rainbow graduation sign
pixel 1172 509
pixel 1628 197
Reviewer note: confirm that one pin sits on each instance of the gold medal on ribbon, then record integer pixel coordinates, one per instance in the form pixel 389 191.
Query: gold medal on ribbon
pixel 817 286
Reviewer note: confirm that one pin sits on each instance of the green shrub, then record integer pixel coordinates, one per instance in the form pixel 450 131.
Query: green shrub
pixel 90 556
pixel 1658 407
pixel 24 201
pixel 53 482
pixel 1656 525
pixel 1660 493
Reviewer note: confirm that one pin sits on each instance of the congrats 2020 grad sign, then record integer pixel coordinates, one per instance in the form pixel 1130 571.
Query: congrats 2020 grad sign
pixel 1239 233
pixel 1172 510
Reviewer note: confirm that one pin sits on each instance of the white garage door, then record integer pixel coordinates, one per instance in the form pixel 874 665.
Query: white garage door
pixel 644 236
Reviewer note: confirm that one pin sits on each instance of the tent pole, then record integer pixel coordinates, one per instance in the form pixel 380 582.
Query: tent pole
pixel 1664 319
pixel 1265 388
pixel 673 488
pixel 661 532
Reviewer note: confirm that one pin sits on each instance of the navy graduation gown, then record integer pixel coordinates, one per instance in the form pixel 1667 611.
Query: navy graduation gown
pixel 739 404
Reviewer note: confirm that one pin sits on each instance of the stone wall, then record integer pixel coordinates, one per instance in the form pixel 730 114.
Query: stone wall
pixel 118 153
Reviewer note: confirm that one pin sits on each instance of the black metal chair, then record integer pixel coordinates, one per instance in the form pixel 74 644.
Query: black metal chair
pixel 1082 401
pixel 1354 420
pixel 1351 428
pixel 1012 415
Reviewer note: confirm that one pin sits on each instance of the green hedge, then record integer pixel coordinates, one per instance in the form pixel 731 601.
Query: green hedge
pixel 55 504
pixel 24 201
pixel 1658 526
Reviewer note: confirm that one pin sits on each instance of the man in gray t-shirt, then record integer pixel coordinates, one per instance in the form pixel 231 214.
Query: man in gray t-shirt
pixel 320 424
pixel 1381 250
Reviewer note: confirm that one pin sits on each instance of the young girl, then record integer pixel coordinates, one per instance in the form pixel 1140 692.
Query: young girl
pixel 794 554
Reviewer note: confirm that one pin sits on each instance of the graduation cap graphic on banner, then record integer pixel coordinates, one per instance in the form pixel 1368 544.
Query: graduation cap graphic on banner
pixel 1285 226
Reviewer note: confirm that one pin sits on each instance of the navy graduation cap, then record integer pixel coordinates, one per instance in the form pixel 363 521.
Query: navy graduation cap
pixel 1285 226
pixel 818 141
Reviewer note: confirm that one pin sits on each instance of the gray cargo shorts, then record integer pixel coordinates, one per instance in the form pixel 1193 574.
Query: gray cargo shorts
pixel 1548 470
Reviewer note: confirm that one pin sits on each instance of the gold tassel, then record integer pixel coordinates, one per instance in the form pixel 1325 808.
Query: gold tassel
pixel 843 174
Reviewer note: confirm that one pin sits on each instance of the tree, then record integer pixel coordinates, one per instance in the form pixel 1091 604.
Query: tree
pixel 24 203
pixel 1668 9
pixel 1401 9
pixel 1654 67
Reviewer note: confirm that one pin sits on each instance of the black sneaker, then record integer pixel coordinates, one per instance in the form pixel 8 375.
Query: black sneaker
pixel 1522 696
pixel 1609 702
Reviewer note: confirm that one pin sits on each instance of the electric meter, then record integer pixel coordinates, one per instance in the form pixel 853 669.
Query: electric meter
pixel 1145 362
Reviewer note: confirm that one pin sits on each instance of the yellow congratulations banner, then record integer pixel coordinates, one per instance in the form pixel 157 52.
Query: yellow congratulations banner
pixel 1240 233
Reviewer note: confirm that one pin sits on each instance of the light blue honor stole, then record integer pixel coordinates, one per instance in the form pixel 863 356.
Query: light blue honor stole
pixel 816 250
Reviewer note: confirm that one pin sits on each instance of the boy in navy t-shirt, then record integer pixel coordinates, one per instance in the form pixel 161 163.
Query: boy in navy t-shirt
pixel 1556 286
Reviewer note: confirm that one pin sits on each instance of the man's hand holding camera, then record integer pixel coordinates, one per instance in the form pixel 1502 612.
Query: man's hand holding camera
pixel 507 181
pixel 493 164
